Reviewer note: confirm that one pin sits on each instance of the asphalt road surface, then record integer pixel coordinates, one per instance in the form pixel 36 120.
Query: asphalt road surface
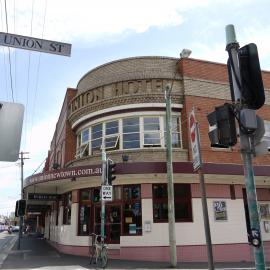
pixel 6 242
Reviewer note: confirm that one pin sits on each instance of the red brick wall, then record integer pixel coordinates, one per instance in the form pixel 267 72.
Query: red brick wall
pixel 199 69
pixel 64 139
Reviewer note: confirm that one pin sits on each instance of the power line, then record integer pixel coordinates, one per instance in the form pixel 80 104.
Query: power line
pixel 10 71
pixel 4 55
pixel 28 77
pixel 37 75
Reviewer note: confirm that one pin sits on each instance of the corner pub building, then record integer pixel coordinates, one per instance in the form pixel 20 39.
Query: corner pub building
pixel 122 103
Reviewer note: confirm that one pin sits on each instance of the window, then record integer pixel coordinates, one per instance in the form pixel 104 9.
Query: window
pixel 83 144
pixel 67 202
pixel 266 136
pixel 96 138
pixel 182 202
pixel 175 132
pixel 85 212
pixel 131 133
pixel 128 133
pixel 132 212
pixel 112 135
pixel 151 136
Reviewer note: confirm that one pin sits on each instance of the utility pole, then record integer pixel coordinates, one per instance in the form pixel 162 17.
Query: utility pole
pixel 21 217
pixel 171 211
pixel 246 139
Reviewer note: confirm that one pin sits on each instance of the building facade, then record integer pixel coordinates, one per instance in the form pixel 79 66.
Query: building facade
pixel 122 104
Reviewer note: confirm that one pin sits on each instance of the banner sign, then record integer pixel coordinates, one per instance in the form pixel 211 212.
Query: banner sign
pixel 83 171
pixel 35 44
pixel 43 196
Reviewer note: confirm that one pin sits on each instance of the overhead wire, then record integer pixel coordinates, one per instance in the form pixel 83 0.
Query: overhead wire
pixel 4 54
pixel 37 74
pixel 9 59
pixel 15 51
pixel 39 166
pixel 28 80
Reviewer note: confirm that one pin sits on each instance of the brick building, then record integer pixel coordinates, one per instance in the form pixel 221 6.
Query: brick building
pixel 122 103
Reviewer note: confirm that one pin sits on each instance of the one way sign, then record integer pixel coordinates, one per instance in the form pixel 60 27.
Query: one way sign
pixel 107 193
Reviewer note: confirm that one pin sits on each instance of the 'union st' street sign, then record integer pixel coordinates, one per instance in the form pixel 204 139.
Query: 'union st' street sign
pixel 35 44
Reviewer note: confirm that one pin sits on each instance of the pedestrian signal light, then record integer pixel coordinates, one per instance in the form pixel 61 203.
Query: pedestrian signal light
pixel 222 127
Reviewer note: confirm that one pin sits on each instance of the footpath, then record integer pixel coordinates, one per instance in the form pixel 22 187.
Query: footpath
pixel 35 253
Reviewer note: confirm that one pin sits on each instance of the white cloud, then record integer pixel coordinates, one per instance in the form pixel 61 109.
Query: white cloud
pixel 86 20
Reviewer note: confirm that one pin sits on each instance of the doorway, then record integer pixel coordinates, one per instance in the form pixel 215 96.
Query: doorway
pixel 113 222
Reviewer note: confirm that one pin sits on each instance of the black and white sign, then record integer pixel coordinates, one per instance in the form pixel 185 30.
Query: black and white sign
pixel 220 210
pixel 194 140
pixel 35 44
pixel 107 193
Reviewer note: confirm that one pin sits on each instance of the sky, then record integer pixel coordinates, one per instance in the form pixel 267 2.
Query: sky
pixel 101 31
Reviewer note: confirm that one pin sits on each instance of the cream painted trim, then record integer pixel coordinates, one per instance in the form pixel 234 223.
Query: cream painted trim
pixel 123 107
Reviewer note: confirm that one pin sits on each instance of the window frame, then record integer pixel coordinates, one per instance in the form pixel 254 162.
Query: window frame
pixel 164 200
pixel 159 134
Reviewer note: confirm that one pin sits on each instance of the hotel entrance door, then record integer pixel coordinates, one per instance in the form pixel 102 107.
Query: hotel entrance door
pixel 112 222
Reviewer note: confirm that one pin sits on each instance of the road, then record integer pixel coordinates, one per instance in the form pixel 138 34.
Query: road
pixel 6 243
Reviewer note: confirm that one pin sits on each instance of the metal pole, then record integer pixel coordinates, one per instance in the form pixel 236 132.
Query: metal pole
pixel 253 207
pixel 103 182
pixel 232 48
pixel 206 221
pixel 21 217
pixel 171 211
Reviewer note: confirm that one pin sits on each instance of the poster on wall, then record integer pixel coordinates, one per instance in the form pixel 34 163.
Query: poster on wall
pixel 264 211
pixel 220 210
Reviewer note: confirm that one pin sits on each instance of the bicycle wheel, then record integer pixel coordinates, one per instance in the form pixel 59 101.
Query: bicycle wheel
pixel 104 257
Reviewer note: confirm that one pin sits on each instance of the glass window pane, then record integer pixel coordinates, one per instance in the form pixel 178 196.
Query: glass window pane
pixel 181 210
pixel 84 220
pixel 160 191
pixel 131 140
pixel 151 138
pixel 151 123
pixel 96 144
pixel 131 125
pixel 85 136
pixel 132 192
pixel 111 127
pixel 132 218
pixel 97 131
pixel 96 195
pixel 85 195
pixel 111 142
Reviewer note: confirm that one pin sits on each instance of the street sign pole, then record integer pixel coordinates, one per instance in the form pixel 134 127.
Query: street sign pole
pixel 197 166
pixel 232 48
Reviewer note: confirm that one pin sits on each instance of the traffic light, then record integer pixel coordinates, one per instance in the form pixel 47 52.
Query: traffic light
pixel 20 208
pixel 252 89
pixel 110 171
pixel 222 127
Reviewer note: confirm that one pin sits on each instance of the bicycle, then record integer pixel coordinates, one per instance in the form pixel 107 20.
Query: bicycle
pixel 98 251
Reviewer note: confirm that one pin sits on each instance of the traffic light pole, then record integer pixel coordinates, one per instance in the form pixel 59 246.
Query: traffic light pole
pixel 21 217
pixel 103 182
pixel 232 47
pixel 171 211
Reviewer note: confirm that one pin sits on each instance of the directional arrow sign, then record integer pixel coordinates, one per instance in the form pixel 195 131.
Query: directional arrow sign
pixel 107 193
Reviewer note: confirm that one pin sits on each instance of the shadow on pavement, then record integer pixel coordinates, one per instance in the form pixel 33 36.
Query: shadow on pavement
pixel 36 253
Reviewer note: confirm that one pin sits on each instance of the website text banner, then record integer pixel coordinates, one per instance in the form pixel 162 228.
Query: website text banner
pixel 83 171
